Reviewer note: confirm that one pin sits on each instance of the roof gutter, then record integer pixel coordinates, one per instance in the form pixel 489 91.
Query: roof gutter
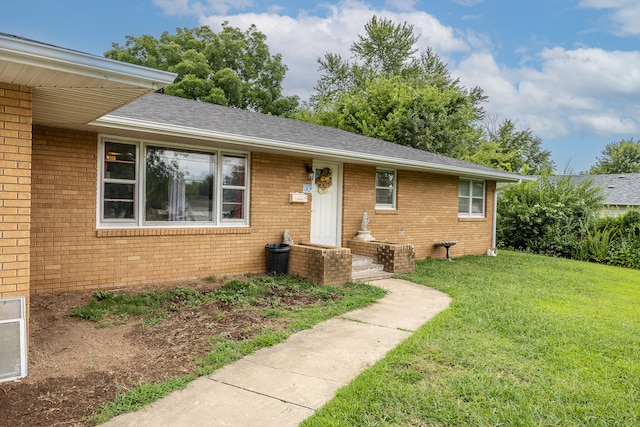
pixel 31 53
pixel 122 123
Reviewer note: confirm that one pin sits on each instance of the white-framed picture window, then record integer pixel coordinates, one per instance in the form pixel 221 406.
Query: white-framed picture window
pixel 144 183
pixel 471 195
pixel 386 189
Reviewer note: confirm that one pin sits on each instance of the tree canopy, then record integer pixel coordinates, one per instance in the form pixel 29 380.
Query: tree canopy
pixel 387 91
pixel 232 67
pixel 618 157
pixel 513 150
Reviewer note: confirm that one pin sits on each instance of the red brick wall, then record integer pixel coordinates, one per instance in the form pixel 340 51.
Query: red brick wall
pixel 15 189
pixel 426 212
pixel 69 253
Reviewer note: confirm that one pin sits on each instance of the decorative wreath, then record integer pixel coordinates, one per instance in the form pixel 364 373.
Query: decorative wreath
pixel 323 180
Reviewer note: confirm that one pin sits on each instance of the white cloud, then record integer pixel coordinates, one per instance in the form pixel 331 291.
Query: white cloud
pixel 605 123
pixel 595 72
pixel 624 14
pixel 573 91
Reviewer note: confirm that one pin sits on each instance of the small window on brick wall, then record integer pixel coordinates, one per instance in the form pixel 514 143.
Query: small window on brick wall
pixel 471 198
pixel 147 184
pixel 385 189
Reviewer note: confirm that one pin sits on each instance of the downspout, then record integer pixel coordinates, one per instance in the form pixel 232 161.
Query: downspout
pixel 495 210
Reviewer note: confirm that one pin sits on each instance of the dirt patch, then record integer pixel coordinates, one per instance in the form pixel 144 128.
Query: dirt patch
pixel 74 365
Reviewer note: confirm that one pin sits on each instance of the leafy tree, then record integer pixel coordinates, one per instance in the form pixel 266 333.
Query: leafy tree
pixel 386 48
pixel 389 92
pixel 618 157
pixel 232 67
pixel 548 216
pixel 388 108
pixel 515 151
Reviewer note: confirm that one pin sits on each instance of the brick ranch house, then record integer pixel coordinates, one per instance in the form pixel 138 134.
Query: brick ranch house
pixel 105 184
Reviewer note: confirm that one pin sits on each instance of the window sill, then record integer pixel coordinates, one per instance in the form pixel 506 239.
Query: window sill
pixel 135 232
pixel 472 219
pixel 386 212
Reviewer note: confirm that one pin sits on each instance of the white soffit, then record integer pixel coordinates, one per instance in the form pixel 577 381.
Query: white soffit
pixel 71 87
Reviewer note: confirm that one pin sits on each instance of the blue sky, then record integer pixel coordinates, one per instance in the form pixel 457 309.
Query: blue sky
pixel 568 70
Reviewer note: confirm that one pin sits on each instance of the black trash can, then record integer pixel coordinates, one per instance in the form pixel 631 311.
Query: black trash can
pixel 277 258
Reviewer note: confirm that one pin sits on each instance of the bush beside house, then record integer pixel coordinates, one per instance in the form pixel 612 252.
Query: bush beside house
pixel 561 216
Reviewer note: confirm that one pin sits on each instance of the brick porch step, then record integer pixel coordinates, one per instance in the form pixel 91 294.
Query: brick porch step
pixel 364 270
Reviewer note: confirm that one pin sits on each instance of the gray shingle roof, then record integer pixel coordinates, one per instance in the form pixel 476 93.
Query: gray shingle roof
pixel 200 116
pixel 618 189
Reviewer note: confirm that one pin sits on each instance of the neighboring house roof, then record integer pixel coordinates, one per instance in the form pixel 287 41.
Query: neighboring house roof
pixel 181 119
pixel 71 87
pixel 621 189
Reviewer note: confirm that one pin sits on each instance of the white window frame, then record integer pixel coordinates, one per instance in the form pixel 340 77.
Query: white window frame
pixel 394 190
pixel 20 320
pixel 140 185
pixel 221 186
pixel 470 198
pixel 103 179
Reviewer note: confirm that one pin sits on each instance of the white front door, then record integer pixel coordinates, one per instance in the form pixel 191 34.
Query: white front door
pixel 326 204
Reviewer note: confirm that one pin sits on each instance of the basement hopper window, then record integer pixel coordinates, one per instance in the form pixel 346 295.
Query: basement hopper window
pixel 148 184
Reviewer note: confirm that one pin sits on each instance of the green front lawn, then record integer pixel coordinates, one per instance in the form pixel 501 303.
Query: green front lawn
pixel 527 341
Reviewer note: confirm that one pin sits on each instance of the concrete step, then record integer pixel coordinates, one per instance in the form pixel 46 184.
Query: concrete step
pixel 372 277
pixel 360 260
pixel 364 270
pixel 367 269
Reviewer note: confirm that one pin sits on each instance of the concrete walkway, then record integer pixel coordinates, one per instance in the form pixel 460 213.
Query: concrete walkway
pixel 284 384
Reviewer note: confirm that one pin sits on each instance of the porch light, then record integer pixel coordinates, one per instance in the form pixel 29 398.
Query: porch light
pixel 309 170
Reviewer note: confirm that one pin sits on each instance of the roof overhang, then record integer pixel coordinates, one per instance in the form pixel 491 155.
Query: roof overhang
pixel 173 133
pixel 71 87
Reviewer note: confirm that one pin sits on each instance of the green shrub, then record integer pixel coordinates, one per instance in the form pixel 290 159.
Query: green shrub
pixel 595 246
pixel 623 244
pixel 548 216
